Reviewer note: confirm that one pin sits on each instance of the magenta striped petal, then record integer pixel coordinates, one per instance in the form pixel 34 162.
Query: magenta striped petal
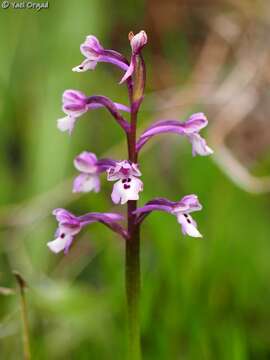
pixel 70 225
pixel 95 53
pixel 89 167
pixel 190 128
pixel 181 209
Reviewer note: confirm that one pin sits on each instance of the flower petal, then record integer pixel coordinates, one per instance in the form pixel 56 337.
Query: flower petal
pixel 129 71
pixel 86 183
pixel 138 41
pixel 59 244
pixel 73 96
pixel 189 128
pixel 127 190
pixel 86 162
pixel 187 204
pixel 189 226
pixel 70 225
pixel 199 146
pixel 62 215
pixel 183 207
pixel 94 53
pixel 91 48
pixel 122 170
pixel 66 123
pixel 85 65
pixel 193 125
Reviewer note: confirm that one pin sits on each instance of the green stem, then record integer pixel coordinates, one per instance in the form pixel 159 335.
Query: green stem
pixel 26 341
pixel 133 286
pixel 133 258
pixel 26 332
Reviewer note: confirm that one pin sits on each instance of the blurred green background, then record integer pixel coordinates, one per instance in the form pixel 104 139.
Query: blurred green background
pixel 201 299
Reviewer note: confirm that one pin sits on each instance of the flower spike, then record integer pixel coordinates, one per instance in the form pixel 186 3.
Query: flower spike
pixel 190 128
pixel 126 173
pixel 181 209
pixel 70 225
pixel 128 185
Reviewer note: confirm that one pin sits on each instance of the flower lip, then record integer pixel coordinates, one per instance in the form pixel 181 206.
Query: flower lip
pixel 189 225
pixel 126 189
pixel 86 183
pixel 199 145
pixel 66 124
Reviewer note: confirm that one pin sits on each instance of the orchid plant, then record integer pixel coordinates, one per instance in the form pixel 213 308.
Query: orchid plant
pixel 125 174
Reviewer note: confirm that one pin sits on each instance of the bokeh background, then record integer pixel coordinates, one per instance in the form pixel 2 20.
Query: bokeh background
pixel 201 299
